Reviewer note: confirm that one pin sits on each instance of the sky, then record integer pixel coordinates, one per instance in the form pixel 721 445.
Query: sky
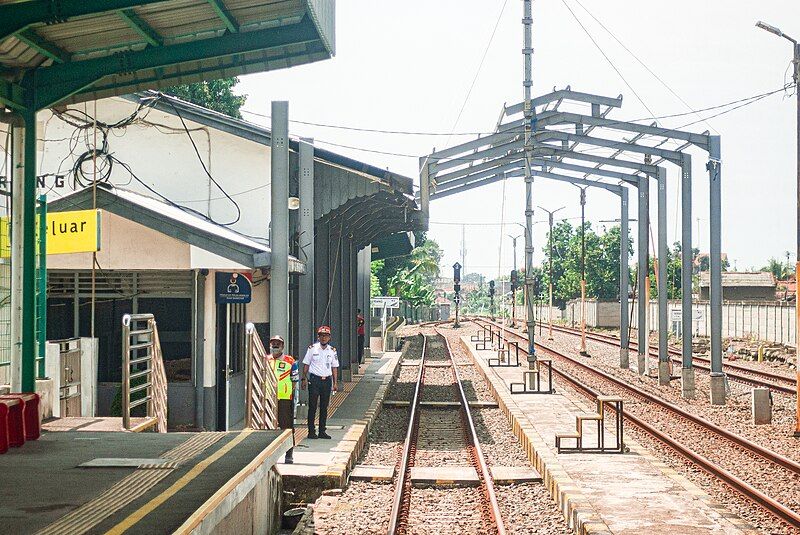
pixel 410 66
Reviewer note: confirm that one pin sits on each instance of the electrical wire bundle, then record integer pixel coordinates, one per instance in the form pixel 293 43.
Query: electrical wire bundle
pixel 101 160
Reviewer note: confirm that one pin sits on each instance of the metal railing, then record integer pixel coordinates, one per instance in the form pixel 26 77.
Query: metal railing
pixel 262 385
pixel 143 371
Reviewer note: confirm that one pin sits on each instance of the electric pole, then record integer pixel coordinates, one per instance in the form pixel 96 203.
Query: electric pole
pixel 550 269
pixel 796 78
pixel 514 281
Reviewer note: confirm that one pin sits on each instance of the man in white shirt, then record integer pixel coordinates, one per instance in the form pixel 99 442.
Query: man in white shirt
pixel 319 373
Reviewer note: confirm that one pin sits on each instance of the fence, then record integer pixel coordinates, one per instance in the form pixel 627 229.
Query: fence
pixel 262 385
pixel 5 293
pixel 769 322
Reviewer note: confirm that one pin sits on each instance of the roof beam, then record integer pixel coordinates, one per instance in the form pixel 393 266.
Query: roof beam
pixel 57 82
pixel 566 94
pixel 542 150
pixel 574 118
pixel 222 12
pixel 141 27
pixel 17 16
pixel 42 46
pixel 12 95
pixel 600 142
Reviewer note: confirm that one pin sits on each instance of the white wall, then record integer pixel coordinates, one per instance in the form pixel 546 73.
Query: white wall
pixel 163 157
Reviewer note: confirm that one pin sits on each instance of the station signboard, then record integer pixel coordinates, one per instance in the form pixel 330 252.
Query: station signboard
pixel 233 288
pixel 385 302
pixel 77 231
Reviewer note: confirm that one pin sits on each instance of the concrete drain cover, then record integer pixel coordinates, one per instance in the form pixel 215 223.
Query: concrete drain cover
pixel 115 462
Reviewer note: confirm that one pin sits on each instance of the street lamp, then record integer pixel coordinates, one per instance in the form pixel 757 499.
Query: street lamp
pixel 550 276
pixel 796 78
pixel 514 280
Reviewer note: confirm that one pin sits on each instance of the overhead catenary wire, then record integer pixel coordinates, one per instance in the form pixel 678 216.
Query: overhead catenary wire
pixel 646 67
pixel 608 59
pixel 478 70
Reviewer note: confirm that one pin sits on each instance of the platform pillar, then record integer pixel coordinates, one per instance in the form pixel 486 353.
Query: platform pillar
pixel 279 222
pixel 686 277
pixel 687 383
pixel 624 274
pixel 643 279
pixel 715 252
pixel 663 320
pixel 717 388
pixel 664 372
pixel 306 324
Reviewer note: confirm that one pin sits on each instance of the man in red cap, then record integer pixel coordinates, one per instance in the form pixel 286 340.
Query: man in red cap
pixel 319 373
pixel 285 368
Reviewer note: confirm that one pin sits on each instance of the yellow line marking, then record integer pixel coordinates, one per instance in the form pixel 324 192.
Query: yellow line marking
pixel 147 508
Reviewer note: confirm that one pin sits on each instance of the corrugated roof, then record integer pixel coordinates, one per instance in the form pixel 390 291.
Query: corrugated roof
pixel 201 232
pixel 87 49
pixel 731 279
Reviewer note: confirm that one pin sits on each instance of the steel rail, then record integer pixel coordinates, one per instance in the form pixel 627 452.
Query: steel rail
pixel 484 473
pixel 615 341
pixel 775 507
pixel 399 504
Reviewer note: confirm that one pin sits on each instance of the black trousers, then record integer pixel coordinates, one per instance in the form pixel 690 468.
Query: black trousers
pixel 318 389
pixel 361 349
pixel 286 419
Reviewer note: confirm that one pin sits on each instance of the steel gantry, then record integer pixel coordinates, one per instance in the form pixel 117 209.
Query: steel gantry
pixel 548 139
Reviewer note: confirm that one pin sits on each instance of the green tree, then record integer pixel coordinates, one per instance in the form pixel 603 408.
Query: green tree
pixel 374 283
pixel 602 263
pixel 781 270
pixel 215 95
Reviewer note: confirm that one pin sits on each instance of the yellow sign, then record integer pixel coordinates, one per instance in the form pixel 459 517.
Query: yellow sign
pixel 67 232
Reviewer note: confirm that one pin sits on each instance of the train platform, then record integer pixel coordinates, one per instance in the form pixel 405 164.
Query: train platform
pixel 621 493
pixel 325 464
pixel 82 481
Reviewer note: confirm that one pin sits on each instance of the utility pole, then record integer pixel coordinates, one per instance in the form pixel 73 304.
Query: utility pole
pixel 514 281
pixel 550 269
pixel 583 272
pixel 796 78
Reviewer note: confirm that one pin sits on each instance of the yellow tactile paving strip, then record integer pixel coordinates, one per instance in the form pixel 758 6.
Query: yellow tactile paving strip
pixel 128 489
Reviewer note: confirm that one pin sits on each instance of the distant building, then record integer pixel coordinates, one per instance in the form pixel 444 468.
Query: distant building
pixel 742 286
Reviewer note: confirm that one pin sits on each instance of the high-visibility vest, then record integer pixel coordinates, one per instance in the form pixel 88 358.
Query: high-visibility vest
pixel 283 372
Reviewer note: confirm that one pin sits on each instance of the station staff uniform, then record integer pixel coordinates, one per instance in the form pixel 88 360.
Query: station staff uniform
pixel 287 373
pixel 322 362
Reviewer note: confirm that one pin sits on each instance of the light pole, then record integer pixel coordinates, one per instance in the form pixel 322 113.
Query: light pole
pixel 796 77
pixel 550 269
pixel 514 280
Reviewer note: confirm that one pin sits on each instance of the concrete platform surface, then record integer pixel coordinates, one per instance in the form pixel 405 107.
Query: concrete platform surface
pixel 321 464
pixel 45 489
pixel 630 493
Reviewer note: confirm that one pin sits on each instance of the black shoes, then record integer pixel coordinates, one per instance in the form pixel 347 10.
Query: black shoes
pixel 323 434
pixel 312 435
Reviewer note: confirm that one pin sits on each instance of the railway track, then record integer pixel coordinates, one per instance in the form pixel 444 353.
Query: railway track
pixel 741 374
pixel 759 474
pixel 431 433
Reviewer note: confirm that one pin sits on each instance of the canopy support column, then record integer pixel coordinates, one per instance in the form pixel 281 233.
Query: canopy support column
pixel 687 371
pixel 643 278
pixel 715 251
pixel 664 372
pixel 624 361
pixel 279 235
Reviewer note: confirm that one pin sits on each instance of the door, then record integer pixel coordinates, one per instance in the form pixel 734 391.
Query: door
pixel 223 367
pixel 231 348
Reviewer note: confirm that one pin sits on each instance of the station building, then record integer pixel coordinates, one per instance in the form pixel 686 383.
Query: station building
pixel 177 214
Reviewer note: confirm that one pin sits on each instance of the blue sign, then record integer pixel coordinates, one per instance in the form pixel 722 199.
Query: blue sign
pixel 232 288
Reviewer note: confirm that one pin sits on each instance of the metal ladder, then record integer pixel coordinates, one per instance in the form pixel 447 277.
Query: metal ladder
pixel 143 371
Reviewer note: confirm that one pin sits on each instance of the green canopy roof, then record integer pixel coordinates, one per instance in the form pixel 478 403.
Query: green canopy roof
pixel 77 50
